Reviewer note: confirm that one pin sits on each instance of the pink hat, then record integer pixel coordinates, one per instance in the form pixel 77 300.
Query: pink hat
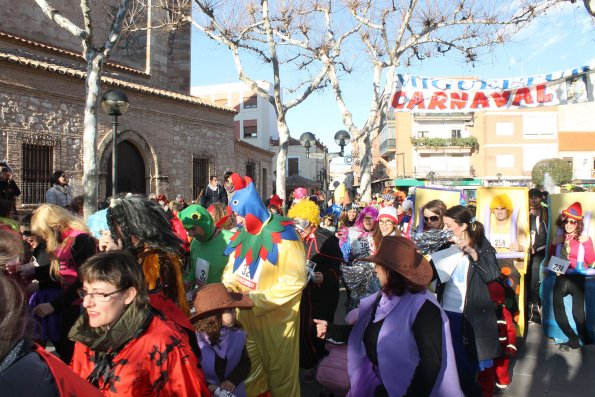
pixel 388 213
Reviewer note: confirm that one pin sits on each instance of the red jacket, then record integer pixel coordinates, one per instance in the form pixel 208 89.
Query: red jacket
pixel 156 363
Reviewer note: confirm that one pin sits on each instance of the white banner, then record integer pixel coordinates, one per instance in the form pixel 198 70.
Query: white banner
pixel 443 95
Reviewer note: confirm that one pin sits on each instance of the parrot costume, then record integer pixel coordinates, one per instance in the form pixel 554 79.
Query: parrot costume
pixel 268 263
pixel 207 259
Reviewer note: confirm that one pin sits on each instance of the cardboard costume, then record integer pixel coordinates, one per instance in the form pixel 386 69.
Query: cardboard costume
pixel 267 262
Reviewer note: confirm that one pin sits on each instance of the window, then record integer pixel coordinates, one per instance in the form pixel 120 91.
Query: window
pixel 251 171
pixel 534 153
pixel 504 161
pixel 455 133
pixel 541 125
pixel 250 102
pixel 293 166
pixel 200 175
pixel 250 132
pixel 423 134
pixel 37 171
pixel 505 128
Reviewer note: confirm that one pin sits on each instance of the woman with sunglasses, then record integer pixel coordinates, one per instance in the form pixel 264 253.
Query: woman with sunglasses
pixel 123 346
pixel 576 247
pixel 432 213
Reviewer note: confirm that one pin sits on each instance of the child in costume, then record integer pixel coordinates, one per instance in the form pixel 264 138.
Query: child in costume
pixel 499 373
pixel 267 263
pixel 222 341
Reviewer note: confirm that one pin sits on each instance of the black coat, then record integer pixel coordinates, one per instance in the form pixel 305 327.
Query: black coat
pixel 480 327
pixel 210 196
pixel 9 190
pixel 319 301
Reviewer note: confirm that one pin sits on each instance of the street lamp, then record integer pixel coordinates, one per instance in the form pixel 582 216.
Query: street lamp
pixel 114 103
pixel 307 139
pixel 342 137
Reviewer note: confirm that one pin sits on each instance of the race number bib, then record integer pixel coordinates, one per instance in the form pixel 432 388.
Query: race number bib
pixel 243 274
pixel 201 271
pixel 558 265
pixel 360 248
pixel 500 240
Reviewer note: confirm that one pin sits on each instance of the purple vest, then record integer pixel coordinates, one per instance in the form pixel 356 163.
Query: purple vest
pixel 231 344
pixel 397 351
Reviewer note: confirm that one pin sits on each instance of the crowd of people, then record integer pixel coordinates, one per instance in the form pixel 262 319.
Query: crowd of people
pixel 227 296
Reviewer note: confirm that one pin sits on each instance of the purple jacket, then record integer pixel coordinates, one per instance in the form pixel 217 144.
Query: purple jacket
pixel 397 350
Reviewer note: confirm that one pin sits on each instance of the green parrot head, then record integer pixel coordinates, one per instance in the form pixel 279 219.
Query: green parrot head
pixel 197 216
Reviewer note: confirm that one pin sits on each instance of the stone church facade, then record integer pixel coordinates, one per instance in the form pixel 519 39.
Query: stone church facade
pixel 168 142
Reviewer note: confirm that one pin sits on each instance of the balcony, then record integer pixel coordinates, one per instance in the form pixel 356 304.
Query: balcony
pixel 444 172
pixel 454 116
pixel 445 145
pixel 388 146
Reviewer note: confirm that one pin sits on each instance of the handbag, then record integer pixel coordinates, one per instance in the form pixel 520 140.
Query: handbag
pixel 332 371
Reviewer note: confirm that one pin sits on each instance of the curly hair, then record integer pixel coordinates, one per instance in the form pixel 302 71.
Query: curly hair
pixel 143 218
pixel 211 326
pixel 306 209
pixel 502 201
pixel 219 211
pixel 579 226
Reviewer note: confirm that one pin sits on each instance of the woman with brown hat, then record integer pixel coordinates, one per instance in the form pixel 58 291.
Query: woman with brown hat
pixel 222 341
pixel 401 330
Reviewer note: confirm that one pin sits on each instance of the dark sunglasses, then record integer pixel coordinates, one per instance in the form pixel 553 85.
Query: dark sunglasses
pixel 433 218
pixel 571 221
pixel 27 233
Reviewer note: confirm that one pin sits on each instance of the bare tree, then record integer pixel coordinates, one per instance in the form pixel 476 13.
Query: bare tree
pixel 95 51
pixel 407 32
pixel 253 29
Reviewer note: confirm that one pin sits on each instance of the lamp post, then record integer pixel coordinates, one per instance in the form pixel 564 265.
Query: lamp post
pixel 307 139
pixel 114 103
pixel 342 137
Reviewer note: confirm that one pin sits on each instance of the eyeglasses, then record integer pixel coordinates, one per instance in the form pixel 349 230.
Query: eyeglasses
pixel 385 221
pixel 368 218
pixel 27 233
pixel 98 296
pixel 571 221
pixel 433 218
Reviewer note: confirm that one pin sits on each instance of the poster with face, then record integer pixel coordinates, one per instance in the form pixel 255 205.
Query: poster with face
pixel 504 212
pixel 562 227
pixel 430 204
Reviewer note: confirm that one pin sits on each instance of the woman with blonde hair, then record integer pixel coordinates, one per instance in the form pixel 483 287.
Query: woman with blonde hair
pixel 69 244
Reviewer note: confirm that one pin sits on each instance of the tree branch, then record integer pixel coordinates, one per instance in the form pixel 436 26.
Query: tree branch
pixel 62 21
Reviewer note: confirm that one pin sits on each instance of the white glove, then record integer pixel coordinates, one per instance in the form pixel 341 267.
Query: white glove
pixel 219 392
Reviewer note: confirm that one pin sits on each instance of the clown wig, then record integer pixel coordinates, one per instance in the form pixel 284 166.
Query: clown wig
pixel 306 209
pixel 371 211
pixel 502 201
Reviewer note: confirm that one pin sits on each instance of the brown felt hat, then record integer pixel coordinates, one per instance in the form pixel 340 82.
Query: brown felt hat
pixel 400 254
pixel 214 297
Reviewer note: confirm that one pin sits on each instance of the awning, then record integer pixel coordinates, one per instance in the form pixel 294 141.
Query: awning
pixel 408 182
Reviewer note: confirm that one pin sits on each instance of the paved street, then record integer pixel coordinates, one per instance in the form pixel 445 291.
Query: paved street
pixel 541 369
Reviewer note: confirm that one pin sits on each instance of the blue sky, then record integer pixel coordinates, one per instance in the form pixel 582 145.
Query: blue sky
pixel 563 39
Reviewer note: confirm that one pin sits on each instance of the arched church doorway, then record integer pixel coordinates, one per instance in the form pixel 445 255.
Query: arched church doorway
pixel 130 170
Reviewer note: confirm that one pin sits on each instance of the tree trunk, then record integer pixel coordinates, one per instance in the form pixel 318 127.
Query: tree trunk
pixel 90 181
pixel 282 157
